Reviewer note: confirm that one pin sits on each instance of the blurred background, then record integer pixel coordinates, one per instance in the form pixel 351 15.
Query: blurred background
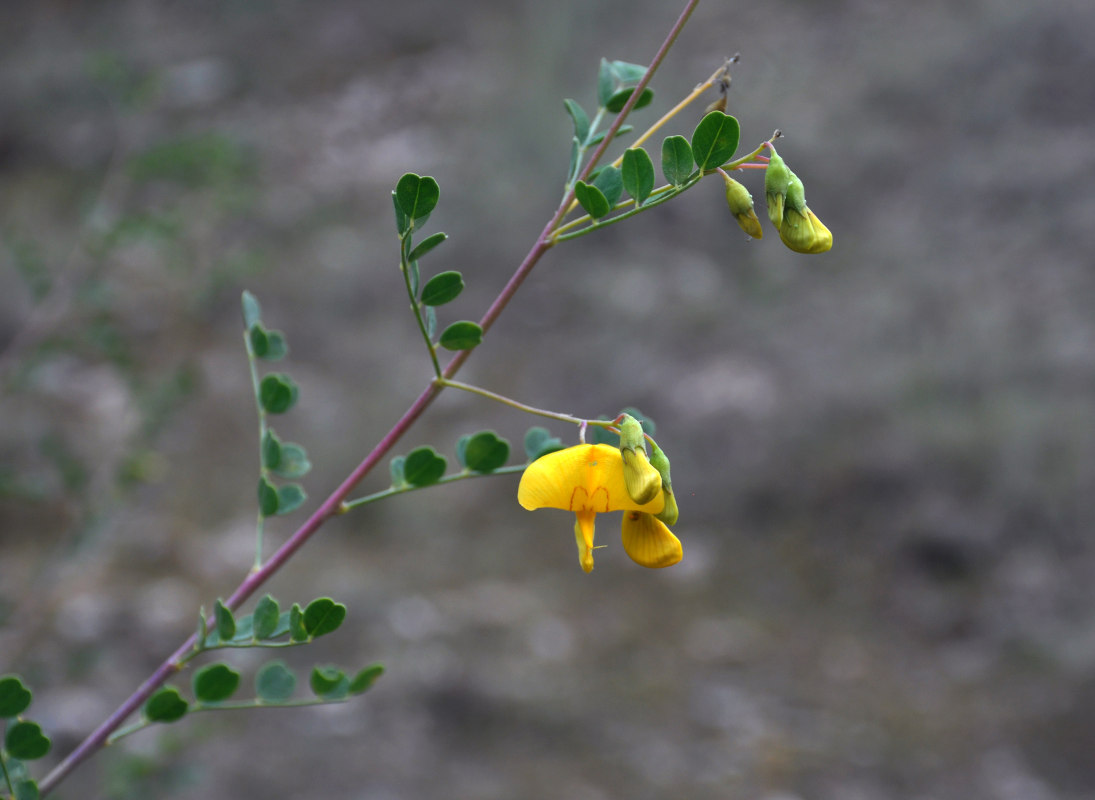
pixel 884 455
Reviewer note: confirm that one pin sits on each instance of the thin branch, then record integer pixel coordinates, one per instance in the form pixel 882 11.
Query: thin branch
pixel 332 505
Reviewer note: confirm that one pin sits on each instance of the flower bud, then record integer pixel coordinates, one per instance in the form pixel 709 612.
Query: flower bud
pixel 803 232
pixel 777 179
pixel 741 206
pixel 642 481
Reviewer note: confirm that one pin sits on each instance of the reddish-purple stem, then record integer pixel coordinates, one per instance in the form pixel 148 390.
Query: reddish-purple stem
pixel 330 507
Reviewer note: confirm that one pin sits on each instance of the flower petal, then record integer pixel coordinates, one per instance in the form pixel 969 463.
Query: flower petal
pixel 583 535
pixel 586 476
pixel 648 542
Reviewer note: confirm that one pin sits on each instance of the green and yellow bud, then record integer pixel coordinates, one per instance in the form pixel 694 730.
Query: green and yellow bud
pixel 741 206
pixel 658 461
pixel 642 481
pixel 777 179
pixel 803 232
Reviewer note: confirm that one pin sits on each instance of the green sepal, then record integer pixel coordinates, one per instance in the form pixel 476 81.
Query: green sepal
pixel 416 196
pixel 580 119
pixel 323 615
pixel 591 199
pixel 637 173
pixel 647 423
pixel 15 697
pixel 463 335
pixel 252 311
pixel 395 469
pixel 423 467
pixel 277 393
pixel 540 442
pixel 225 622
pixel 265 616
pixel 426 245
pixel 291 496
pixel 714 140
pixel 268 496
pixel 25 741
pixel 165 705
pixel 610 183
pixel 442 288
pixel 619 99
pixel 215 682
pixel 677 159
pixel 485 452
pixel 364 679
pixel 297 632
pixel 329 683
pixel 275 682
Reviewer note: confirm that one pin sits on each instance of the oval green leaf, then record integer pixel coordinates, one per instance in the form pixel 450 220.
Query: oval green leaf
pixel 591 199
pixel 215 682
pixel 580 119
pixel 676 159
pixel 619 98
pixel 426 245
pixel 268 497
pixel 252 311
pixel 416 196
pixel 715 140
pixel 605 81
pixel 442 288
pixel 637 173
pixel 485 452
pixel 323 615
pixel 271 449
pixel 26 790
pixel 293 461
pixel 461 335
pixel 15 697
pixel 291 496
pixel 166 705
pixel 277 393
pixel 266 618
pixel 364 680
pixel 275 682
pixel 225 622
pixel 330 683
pixel 395 469
pixel 26 741
pixel 297 633
pixel 423 467
pixel 610 183
pixel 540 442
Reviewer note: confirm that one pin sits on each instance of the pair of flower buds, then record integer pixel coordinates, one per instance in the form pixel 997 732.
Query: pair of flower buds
pixel 590 479
pixel 798 226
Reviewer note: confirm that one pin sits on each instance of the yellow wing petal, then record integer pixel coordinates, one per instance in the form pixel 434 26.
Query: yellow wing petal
pixel 649 542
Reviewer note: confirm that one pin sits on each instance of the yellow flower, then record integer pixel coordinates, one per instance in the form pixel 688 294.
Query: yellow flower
pixel 588 479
